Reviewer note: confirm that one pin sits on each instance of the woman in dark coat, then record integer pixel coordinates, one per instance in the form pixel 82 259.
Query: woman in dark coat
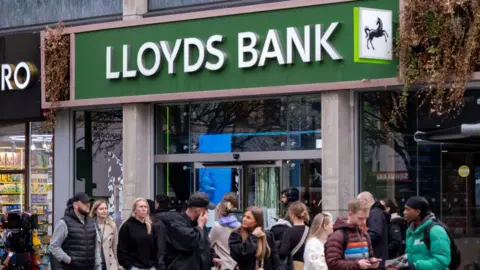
pixel 251 247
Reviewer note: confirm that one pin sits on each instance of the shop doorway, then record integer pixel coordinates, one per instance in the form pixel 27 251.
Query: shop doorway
pixel 255 183
pixel 256 177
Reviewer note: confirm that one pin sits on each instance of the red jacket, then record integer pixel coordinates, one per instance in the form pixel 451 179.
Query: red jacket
pixel 358 247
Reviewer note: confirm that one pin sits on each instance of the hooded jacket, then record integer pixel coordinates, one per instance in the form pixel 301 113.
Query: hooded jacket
pixel 358 247
pixel 438 257
pixel 137 247
pixel 219 235
pixel 377 224
pixel 188 246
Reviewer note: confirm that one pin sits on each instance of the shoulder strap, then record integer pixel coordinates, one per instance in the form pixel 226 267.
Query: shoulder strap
pixel 302 241
pixel 426 234
pixel 345 239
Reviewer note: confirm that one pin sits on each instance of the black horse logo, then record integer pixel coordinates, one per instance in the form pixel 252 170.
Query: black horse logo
pixel 375 33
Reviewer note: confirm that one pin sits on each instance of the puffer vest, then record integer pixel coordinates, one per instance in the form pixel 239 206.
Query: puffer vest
pixel 80 243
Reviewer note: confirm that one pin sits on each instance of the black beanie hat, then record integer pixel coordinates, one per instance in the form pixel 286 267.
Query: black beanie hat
pixel 419 203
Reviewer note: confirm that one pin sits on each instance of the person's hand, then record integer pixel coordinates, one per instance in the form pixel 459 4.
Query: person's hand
pixel 376 264
pixel 364 264
pixel 202 220
pixel 258 232
pixel 217 263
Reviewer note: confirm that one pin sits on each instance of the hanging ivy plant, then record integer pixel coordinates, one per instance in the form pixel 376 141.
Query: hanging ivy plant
pixel 438 48
pixel 57 71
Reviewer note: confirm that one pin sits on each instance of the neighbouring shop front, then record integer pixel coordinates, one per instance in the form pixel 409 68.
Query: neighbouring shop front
pixel 26 161
pixel 435 157
pixel 230 102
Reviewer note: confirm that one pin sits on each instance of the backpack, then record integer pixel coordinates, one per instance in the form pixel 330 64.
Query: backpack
pixel 455 254
pixel 402 226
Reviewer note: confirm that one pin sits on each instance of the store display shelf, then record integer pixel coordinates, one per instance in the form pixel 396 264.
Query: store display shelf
pixel 11 193
pixel 11 203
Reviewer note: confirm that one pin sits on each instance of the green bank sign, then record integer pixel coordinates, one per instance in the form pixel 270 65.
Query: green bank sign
pixel 325 43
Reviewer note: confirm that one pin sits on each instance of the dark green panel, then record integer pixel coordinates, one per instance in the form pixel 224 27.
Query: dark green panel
pixel 90 52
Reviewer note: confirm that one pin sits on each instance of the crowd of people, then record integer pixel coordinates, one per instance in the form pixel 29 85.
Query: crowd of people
pixel 153 237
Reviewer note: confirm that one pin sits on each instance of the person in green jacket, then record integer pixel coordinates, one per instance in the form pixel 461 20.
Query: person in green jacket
pixel 419 257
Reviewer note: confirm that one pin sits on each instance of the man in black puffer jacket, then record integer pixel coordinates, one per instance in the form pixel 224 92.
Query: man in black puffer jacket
pixel 188 246
pixel 73 243
pixel 377 224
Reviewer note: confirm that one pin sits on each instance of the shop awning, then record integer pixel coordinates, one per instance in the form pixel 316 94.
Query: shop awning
pixel 465 133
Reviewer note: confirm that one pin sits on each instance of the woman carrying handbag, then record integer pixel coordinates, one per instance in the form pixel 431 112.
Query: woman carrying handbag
pixel 294 238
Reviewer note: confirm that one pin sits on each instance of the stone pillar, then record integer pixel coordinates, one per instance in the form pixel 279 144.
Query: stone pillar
pixel 138 128
pixel 137 135
pixel 63 156
pixel 338 152
pixel 134 9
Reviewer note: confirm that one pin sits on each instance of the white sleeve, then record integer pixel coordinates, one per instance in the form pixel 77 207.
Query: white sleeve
pixel 314 256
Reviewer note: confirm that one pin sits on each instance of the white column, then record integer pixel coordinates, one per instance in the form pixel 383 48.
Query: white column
pixel 338 153
pixel 134 9
pixel 63 156
pixel 138 129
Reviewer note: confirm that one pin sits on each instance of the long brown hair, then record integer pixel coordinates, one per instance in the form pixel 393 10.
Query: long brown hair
pixel 93 212
pixel 263 249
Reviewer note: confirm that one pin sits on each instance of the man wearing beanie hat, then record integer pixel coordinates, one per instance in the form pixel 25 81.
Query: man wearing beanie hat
pixel 419 256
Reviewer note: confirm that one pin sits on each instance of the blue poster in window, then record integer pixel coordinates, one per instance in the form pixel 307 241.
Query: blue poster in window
pixel 215 181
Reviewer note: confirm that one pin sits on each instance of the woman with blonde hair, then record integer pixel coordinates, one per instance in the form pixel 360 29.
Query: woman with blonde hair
pixel 250 246
pixel 221 231
pixel 295 238
pixel 107 239
pixel 137 248
pixel 314 257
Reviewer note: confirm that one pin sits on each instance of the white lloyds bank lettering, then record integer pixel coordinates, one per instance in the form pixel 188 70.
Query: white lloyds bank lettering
pixel 170 54
pixel 272 41
pixel 188 44
pixel 321 41
pixel 252 52
pixel 221 56
pixel 127 73
pixel 155 48
pixel 301 45
pixel 247 48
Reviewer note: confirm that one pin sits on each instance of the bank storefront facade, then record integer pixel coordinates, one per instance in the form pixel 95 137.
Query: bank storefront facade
pixel 253 100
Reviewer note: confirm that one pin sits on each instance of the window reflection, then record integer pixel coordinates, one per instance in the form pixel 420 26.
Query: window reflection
pixel 274 124
pixel 305 122
pixel 240 126
pixel 174 180
pixel 98 159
